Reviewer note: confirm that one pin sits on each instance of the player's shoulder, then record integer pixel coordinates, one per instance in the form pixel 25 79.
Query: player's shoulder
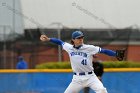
pixel 88 45
pixel 91 47
pixel 67 44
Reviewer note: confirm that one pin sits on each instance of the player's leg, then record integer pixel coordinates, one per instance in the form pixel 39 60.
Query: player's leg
pixel 74 87
pixel 97 85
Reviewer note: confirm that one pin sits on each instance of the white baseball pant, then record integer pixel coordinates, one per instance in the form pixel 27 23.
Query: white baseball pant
pixel 79 82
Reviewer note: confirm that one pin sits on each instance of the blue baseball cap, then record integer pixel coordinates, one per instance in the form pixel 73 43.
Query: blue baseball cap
pixel 20 58
pixel 77 34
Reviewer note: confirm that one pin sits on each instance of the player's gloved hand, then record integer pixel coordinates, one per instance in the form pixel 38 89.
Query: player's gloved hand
pixel 120 54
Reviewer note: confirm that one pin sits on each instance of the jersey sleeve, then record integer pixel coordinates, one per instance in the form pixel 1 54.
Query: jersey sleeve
pixel 66 46
pixel 95 49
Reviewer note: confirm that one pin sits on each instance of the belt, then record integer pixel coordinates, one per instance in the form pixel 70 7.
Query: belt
pixel 83 73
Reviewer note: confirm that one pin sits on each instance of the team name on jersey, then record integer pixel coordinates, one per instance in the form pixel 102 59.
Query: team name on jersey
pixel 78 53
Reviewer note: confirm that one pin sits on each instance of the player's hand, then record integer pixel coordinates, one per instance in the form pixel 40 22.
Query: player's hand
pixel 44 38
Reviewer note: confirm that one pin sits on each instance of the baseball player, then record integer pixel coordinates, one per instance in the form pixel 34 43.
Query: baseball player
pixel 81 56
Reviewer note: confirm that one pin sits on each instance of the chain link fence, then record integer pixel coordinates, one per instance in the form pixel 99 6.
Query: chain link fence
pixel 35 52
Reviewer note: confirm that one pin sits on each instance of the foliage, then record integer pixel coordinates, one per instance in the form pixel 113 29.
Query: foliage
pixel 66 65
pixel 54 65
pixel 118 64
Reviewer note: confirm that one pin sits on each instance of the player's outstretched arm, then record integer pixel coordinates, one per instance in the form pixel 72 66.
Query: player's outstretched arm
pixel 108 52
pixel 53 40
pixel 119 54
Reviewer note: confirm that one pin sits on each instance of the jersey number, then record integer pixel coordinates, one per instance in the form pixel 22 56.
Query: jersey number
pixel 84 62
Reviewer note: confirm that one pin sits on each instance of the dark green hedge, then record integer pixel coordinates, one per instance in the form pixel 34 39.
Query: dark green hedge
pixel 66 65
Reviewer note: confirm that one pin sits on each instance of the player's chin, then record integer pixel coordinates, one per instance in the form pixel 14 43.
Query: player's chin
pixel 80 43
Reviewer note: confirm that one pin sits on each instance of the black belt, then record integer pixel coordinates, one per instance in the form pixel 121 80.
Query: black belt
pixel 82 73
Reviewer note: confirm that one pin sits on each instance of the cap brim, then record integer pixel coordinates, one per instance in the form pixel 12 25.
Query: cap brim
pixel 79 36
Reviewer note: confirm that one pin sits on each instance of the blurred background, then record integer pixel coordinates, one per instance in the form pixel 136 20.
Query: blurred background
pixel 112 24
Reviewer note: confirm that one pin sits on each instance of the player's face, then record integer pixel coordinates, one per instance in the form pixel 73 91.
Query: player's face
pixel 78 41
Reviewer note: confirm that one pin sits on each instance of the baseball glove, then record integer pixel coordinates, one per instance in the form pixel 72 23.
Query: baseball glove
pixel 120 54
